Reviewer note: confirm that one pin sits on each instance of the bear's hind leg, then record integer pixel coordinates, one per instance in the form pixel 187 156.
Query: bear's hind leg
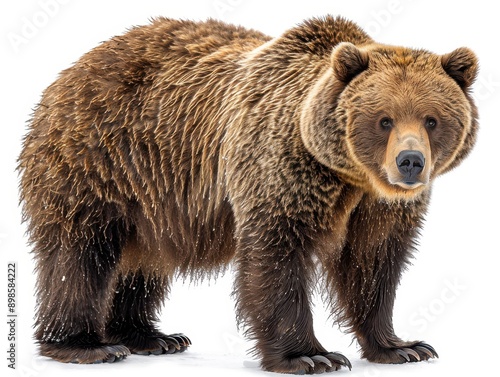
pixel 134 313
pixel 76 274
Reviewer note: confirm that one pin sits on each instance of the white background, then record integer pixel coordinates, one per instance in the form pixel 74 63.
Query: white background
pixel 448 297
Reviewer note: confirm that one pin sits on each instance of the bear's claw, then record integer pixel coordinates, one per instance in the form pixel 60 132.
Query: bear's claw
pixel 166 344
pixel 322 359
pixel 308 360
pixel 339 359
pixel 328 362
pixel 428 350
pixel 418 352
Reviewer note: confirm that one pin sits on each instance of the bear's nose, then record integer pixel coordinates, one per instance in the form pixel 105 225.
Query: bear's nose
pixel 410 165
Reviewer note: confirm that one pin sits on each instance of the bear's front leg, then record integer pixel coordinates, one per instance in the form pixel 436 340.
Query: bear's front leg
pixel 366 274
pixel 375 332
pixel 274 272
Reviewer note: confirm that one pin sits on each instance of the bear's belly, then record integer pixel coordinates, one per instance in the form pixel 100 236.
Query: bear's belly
pixel 190 248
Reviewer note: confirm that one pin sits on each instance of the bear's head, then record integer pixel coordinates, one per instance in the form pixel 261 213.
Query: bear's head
pixel 391 119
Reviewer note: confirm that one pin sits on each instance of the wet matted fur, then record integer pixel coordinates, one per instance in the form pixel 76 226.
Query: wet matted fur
pixel 182 146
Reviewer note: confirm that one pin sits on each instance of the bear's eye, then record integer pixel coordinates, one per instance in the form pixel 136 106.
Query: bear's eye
pixel 386 123
pixel 430 123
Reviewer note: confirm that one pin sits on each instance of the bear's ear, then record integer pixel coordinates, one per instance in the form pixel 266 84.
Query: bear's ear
pixel 461 64
pixel 348 61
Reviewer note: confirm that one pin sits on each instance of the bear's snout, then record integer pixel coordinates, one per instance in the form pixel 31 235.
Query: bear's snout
pixel 410 164
pixel 408 161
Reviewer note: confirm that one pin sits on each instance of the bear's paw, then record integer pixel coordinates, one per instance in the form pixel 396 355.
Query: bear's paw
pixel 158 344
pixel 312 364
pixel 84 354
pixel 404 353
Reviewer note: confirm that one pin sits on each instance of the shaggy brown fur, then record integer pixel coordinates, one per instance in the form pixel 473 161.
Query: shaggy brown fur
pixel 182 146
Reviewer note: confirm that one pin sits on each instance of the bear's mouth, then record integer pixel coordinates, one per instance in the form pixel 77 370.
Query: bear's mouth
pixel 411 185
pixel 395 178
pixel 395 187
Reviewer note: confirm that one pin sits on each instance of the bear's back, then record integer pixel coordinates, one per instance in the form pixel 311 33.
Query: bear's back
pixel 130 102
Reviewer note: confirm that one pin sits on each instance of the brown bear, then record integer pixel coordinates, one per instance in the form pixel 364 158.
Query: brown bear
pixel 181 147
